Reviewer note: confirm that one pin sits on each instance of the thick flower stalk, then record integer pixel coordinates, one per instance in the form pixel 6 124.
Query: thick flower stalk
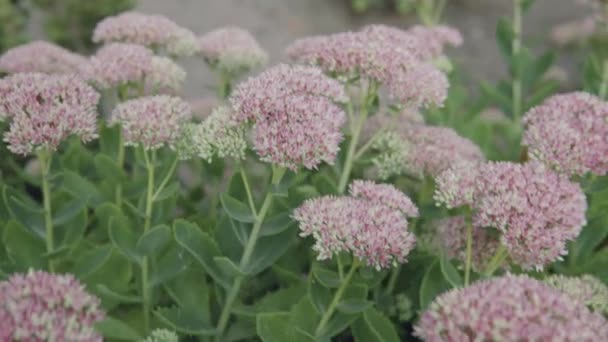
pixel 153 31
pixel 535 209
pixel 40 57
pixel 510 308
pixel 587 290
pixel 569 132
pixel 40 306
pixel 118 64
pixel 232 51
pixel 296 121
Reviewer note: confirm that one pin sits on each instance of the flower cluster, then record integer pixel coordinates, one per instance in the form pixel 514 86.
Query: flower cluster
pixel 392 155
pixel 451 237
pixel 510 308
pixel 587 290
pixel 46 109
pixel 535 209
pixel 218 135
pixel 232 50
pixel 295 120
pixel 162 335
pixel 153 31
pixel 569 132
pixel 395 58
pixel 118 64
pixel 152 121
pixel 370 223
pixel 40 306
pixel 165 76
pixel 42 57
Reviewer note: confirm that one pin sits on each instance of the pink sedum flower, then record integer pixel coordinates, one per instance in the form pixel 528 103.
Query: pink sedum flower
pixel 153 31
pixel 370 230
pixel 586 289
pixel 569 132
pixel 40 306
pixel 46 109
pixel 421 87
pixel 510 308
pixel 40 57
pixel 296 121
pixel 153 121
pixel 433 40
pixel 118 64
pixel 385 194
pixel 165 76
pixel 232 50
pixel 535 209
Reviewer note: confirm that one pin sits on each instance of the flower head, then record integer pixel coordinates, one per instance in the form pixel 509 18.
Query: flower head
pixel 40 306
pixel 42 57
pixel 152 121
pixel 46 109
pixel 165 76
pixel 162 335
pixel 392 153
pixel 433 40
pixel 535 209
pixel 118 64
pixel 295 120
pixel 422 86
pixel 587 290
pixel 218 135
pixel 510 308
pixel 232 50
pixel 569 132
pixel 153 31
pixel 360 224
pixel 451 236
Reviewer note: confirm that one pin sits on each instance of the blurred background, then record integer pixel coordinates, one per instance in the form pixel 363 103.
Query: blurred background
pixel 276 23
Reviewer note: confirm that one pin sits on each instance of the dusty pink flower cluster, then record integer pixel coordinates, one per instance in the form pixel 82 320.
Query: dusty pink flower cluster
pixel 42 57
pixel 295 119
pixel 152 121
pixel 370 224
pixel 510 308
pixel 535 209
pixel 118 64
pixel 395 58
pixel 40 306
pixel 232 49
pixel 46 109
pixel 165 76
pixel 569 132
pixel 451 237
pixel 153 31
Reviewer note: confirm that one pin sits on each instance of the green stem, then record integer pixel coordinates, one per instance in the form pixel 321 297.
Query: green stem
pixel 223 88
pixel 439 8
pixel 604 85
pixel 277 175
pixel 469 251
pixel 340 268
pixel 392 281
pixel 496 261
pixel 146 295
pixel 45 158
pixel 337 297
pixel 168 177
pixel 248 191
pixel 516 49
pixel 120 160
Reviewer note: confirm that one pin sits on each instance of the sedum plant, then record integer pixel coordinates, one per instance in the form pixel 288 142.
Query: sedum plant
pixel 353 193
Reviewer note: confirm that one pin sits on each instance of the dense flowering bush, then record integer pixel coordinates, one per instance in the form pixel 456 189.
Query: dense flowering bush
pixel 352 194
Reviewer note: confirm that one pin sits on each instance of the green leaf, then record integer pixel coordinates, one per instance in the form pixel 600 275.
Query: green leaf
pixel 305 318
pixel 593 234
pixel 115 329
pixel 274 327
pixel 326 277
pixel 504 38
pixel 450 273
pixel 281 300
pixel 354 306
pixel 28 213
pixel 432 285
pixel 231 236
pixel 169 191
pixel 336 325
pixel 173 262
pixel 267 251
pixel 92 261
pixel 201 246
pixel 68 211
pixel 123 238
pixel 276 224
pixel 123 298
pixel 189 289
pixel 153 241
pixel 182 320
pixel 320 296
pixel 496 95
pixel 109 170
pixel 526 5
pixel 81 188
pixel 374 326
pixel 228 268
pixel 24 248
pixel 236 209
pixel 109 138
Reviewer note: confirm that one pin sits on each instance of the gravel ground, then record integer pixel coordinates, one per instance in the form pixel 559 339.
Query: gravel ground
pixel 278 22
